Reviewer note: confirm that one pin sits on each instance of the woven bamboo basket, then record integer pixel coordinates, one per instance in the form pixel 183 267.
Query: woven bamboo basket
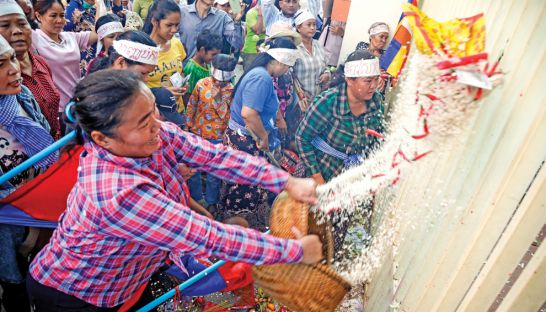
pixel 301 287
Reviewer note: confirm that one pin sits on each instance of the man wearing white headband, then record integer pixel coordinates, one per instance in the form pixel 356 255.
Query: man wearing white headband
pixel 337 130
pixel 379 34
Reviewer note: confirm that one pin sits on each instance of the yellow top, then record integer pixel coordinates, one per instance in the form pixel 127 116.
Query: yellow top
pixel 169 62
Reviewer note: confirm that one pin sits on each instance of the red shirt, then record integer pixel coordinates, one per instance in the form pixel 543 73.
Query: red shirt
pixel 44 91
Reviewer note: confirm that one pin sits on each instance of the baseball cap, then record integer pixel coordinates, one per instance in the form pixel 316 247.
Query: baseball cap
pixel 167 106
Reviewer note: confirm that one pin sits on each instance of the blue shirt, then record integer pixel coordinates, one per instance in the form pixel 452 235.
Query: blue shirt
pixel 191 25
pixel 257 92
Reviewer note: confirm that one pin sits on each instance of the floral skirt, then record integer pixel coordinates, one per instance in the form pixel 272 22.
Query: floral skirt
pixel 247 201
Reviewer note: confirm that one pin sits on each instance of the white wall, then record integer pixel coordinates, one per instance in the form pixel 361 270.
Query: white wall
pixel 362 14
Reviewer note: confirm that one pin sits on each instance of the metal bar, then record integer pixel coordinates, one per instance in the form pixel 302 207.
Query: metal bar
pixel 36 158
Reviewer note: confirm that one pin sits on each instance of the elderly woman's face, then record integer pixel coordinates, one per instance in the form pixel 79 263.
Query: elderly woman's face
pixel 10 75
pixel 17 31
pixel 379 41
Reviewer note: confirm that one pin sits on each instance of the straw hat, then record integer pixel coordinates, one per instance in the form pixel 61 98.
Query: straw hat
pixel 301 287
pixel 283 29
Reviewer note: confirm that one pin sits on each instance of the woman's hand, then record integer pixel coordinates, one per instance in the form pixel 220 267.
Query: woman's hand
pixel 311 245
pixel 324 79
pixel 304 190
pixel 337 30
pixel 281 125
pixel 178 91
pixel 186 171
pixel 263 143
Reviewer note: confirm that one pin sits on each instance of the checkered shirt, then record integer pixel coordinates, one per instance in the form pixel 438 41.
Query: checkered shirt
pixel 125 215
pixel 330 118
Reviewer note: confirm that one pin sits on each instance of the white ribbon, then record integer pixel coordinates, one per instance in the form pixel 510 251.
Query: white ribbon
pixel 5 47
pixel 137 52
pixel 362 68
pixel 381 28
pixel 221 75
pixel 10 7
pixel 109 28
pixel 285 56
pixel 302 17
pixel 106 30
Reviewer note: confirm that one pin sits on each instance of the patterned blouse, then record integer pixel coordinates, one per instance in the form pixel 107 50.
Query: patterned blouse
pixel 204 116
pixel 85 23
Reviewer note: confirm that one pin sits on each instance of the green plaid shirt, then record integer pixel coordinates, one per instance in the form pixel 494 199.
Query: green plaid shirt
pixel 330 118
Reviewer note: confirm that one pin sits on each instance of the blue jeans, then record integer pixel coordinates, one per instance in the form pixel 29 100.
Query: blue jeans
pixel 212 185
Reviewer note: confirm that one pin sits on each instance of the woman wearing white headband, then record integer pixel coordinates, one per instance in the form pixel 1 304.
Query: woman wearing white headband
pixel 379 34
pixel 108 28
pixel 342 127
pixel 334 132
pixel 254 110
pixel 310 68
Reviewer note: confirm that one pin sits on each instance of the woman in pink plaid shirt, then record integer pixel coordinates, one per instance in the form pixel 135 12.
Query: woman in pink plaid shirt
pixel 128 211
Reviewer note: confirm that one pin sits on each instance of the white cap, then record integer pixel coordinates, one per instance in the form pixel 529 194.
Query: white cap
pixel 8 7
pixel 221 2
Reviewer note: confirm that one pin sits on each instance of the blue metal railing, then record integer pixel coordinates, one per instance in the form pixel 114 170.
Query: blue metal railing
pixel 36 158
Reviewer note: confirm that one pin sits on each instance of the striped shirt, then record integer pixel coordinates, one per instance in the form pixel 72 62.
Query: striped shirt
pixel 125 215
pixel 40 83
pixel 272 14
pixel 310 66
pixel 330 118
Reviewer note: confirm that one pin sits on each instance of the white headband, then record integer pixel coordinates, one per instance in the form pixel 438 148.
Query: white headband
pixel 10 7
pixel 109 28
pixel 302 17
pixel 381 28
pixel 221 75
pixel 137 52
pixel 5 47
pixel 285 56
pixel 362 68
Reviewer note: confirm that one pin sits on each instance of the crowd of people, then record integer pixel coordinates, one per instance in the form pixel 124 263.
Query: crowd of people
pixel 175 144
